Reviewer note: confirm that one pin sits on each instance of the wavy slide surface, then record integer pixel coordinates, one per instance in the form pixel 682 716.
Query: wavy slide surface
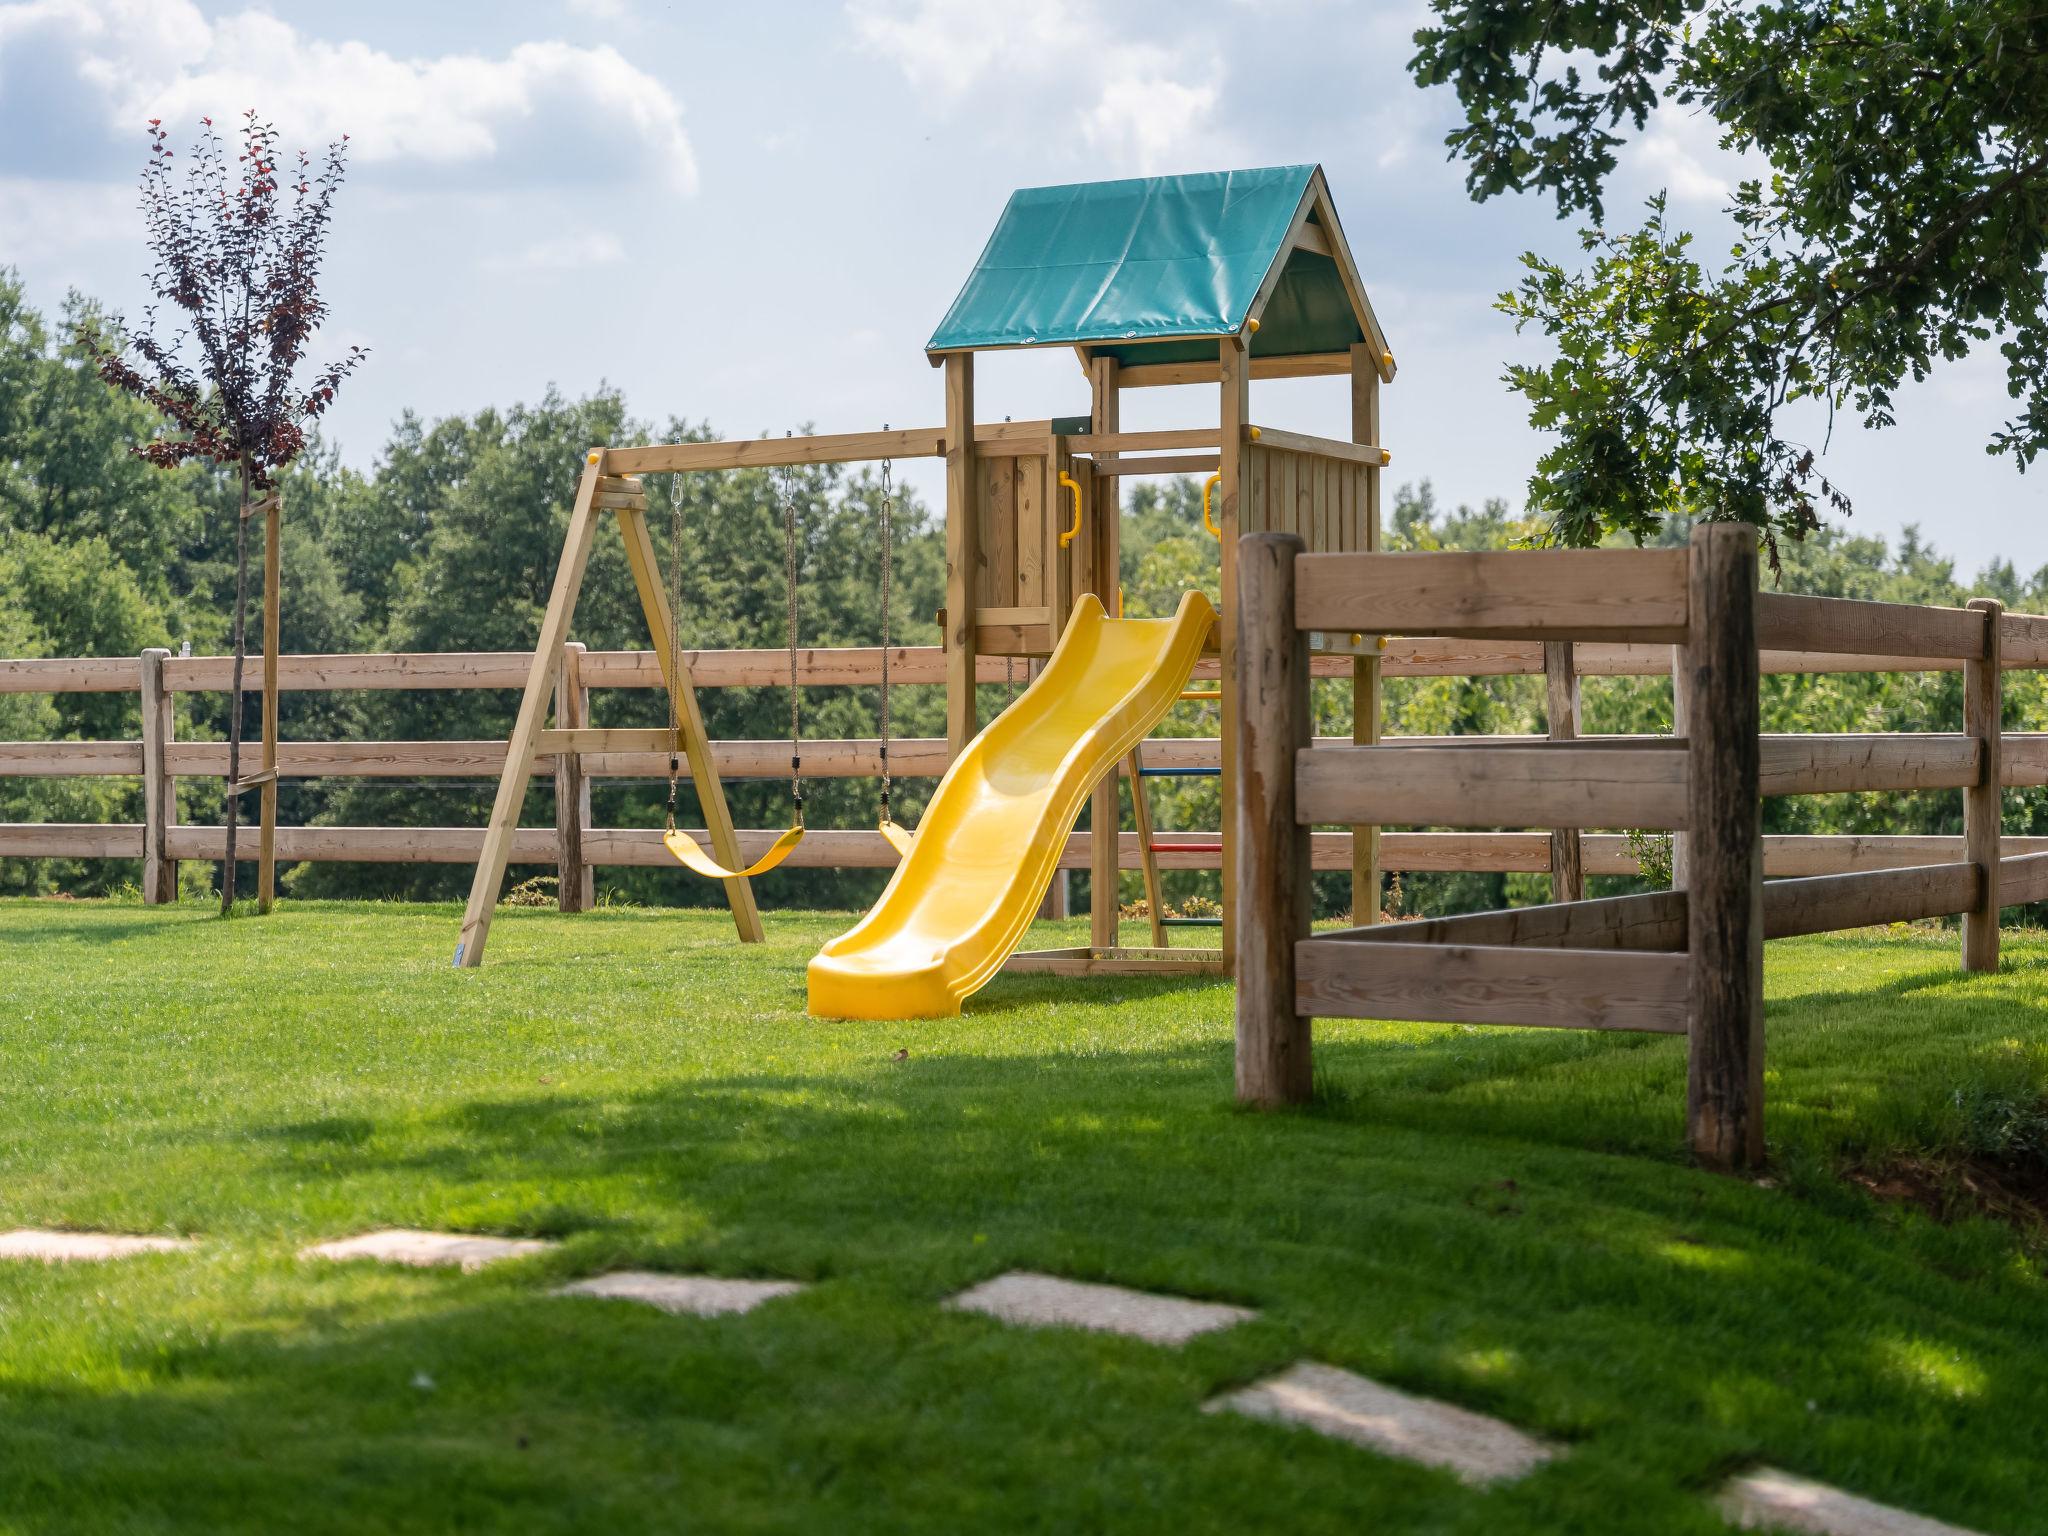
pixel 990 840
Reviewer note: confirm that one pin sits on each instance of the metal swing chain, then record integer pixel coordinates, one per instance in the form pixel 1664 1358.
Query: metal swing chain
pixel 675 613
pixel 888 573
pixel 796 760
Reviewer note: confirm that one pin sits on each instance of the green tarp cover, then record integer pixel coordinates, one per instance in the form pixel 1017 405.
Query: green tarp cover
pixel 1144 260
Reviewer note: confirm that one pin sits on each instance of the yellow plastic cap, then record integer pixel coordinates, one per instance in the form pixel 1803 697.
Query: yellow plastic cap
pixel 1255 434
pixel 1251 325
pixel 592 457
pixel 1386 457
pixel 1386 359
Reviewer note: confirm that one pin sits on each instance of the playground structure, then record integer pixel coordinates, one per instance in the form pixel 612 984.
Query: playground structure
pixel 1207 279
pixel 1685 961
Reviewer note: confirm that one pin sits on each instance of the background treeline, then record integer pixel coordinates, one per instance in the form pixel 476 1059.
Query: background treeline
pixel 448 543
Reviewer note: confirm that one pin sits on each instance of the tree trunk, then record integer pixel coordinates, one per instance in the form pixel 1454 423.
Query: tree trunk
pixel 227 874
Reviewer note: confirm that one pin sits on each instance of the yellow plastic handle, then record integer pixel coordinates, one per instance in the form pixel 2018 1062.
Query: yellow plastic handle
pixel 1208 489
pixel 1069 483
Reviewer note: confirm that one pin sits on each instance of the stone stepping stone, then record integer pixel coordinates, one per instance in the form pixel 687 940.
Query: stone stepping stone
pixel 1768 1499
pixel 692 1295
pixel 1046 1301
pixel 69 1247
pixel 1349 1407
pixel 428 1250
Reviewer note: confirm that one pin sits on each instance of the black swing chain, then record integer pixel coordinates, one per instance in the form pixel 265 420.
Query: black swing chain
pixel 789 564
pixel 888 564
pixel 675 639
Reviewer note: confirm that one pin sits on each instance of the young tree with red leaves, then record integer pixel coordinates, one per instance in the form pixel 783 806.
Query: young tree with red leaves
pixel 242 261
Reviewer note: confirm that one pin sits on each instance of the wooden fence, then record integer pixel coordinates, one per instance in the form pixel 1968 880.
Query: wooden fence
pixel 1684 961
pixel 575 846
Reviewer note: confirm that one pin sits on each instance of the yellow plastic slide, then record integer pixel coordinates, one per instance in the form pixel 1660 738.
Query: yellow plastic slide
pixel 990 840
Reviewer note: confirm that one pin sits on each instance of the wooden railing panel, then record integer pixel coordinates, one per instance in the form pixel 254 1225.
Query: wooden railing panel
pixel 1791 622
pixel 1565 594
pixel 1578 784
pixel 1481 984
pixel 1827 765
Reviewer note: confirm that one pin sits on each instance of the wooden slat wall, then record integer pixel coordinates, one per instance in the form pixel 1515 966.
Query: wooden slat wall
pixel 1316 496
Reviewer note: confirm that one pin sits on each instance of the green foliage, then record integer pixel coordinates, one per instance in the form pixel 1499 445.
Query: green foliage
pixel 1903 221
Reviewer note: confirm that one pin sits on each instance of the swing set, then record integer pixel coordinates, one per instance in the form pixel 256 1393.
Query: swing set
pixel 1032 531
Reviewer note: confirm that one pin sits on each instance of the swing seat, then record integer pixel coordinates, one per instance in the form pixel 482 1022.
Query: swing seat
pixel 898 837
pixel 697 861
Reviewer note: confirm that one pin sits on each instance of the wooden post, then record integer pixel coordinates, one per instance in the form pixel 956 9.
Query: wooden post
pixel 1983 803
pixel 1561 684
pixel 1273 1065
pixel 575 881
pixel 159 789
pixel 696 744
pixel 266 839
pixel 1235 372
pixel 1724 909
pixel 1105 815
pixel 533 704
pixel 1365 670
pixel 1679 694
pixel 1148 856
pixel 963 553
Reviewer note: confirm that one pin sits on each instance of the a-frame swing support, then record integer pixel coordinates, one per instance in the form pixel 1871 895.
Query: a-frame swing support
pixel 596 496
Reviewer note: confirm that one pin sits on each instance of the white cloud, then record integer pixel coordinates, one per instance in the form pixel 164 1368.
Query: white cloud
pixel 565 254
pixel 546 111
pixel 1140 104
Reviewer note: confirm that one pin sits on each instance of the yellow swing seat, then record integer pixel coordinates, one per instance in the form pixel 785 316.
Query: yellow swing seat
pixel 898 837
pixel 693 858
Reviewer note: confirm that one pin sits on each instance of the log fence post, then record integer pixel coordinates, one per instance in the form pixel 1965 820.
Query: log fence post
pixel 1983 802
pixel 1561 686
pixel 159 789
pixel 1273 724
pixel 1724 905
pixel 575 881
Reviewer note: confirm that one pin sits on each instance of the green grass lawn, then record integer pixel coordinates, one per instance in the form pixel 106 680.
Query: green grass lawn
pixel 1499 1218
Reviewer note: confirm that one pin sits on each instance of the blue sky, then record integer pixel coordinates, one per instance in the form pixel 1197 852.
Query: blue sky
pixel 754 215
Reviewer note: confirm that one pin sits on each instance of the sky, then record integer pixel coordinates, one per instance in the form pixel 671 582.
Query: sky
pixel 754 215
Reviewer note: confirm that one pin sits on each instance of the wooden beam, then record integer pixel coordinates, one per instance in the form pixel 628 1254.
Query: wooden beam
pixel 1654 920
pixel 496 849
pixel 1843 764
pixel 1789 622
pixel 2022 878
pixel 963 554
pixel 1366 452
pixel 1575 785
pixel 1272 874
pixel 1984 799
pixel 1609 594
pixel 159 789
pixel 1365 669
pixel 1561 690
pixel 1234 413
pixel 1302 366
pixel 1105 419
pixel 576 883
pixel 1724 887
pixel 689 718
pixel 1482 984
pixel 1827 903
pixel 777 452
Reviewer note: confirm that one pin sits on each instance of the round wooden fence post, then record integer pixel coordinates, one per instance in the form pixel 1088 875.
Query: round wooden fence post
pixel 1272 873
pixel 1724 907
pixel 1984 802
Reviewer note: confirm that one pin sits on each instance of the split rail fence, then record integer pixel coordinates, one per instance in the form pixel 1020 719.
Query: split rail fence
pixel 575 846
pixel 1684 961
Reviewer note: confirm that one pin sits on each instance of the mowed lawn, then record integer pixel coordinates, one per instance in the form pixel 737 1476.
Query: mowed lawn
pixel 1496 1218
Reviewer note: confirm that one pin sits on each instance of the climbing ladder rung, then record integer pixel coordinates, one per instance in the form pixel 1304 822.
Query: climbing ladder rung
pixel 1180 773
pixel 1191 922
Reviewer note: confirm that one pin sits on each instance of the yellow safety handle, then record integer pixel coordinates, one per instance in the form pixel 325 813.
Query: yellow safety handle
pixel 1069 483
pixel 1208 489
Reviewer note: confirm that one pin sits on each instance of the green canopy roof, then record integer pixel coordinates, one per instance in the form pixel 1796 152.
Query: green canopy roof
pixel 1127 269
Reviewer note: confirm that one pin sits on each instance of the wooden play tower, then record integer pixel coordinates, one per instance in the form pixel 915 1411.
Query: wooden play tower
pixel 1217 279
